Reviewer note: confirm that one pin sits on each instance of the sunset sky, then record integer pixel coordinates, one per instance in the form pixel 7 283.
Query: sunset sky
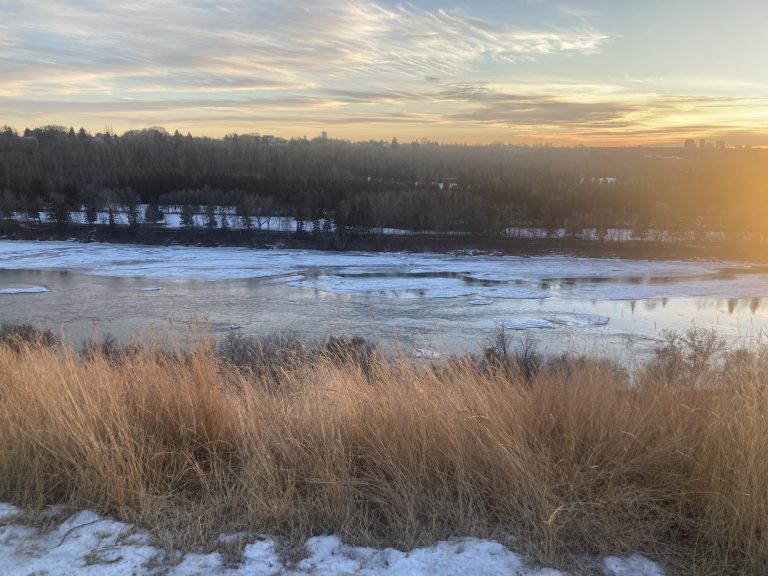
pixel 594 72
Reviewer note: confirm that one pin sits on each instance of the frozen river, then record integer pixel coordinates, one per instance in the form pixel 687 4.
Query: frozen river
pixel 442 302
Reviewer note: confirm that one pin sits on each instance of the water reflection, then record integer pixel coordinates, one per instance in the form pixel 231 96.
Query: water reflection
pixel 86 306
pixel 733 305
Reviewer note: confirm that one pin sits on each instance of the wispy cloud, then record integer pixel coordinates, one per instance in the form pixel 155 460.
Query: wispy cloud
pixel 606 111
pixel 292 65
pixel 173 45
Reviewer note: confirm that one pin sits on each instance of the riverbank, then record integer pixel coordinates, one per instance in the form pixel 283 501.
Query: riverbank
pixel 430 242
pixel 565 460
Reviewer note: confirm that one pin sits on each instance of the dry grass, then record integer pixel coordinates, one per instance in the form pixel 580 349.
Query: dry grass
pixel 572 461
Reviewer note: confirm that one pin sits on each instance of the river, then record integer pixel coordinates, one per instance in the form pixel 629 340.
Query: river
pixel 441 302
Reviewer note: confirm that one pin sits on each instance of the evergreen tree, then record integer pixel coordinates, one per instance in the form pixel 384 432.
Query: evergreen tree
pixel 187 219
pixel 210 217
pixel 91 214
pixel 153 214
pixel 244 215
pixel 133 217
pixel 224 216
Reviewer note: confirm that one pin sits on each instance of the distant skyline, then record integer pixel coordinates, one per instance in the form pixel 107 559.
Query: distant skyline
pixel 593 72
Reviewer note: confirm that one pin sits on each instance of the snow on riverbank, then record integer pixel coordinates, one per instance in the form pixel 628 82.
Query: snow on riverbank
pixel 87 544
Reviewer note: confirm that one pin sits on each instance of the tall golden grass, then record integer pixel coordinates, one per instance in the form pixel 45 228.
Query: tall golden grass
pixel 574 461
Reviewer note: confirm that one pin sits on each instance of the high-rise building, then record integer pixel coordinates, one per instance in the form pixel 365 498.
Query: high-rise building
pixel 690 143
pixel 324 136
pixel 720 145
pixel 702 144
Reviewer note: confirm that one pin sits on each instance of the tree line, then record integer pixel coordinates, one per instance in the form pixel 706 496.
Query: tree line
pixel 336 186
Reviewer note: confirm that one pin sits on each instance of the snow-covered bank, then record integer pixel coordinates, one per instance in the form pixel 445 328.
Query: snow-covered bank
pixel 87 544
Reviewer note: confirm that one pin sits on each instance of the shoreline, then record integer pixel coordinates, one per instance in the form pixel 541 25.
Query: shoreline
pixel 487 245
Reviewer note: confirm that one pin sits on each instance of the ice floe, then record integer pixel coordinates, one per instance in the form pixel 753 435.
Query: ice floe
pixel 574 319
pixel 24 290
pixel 550 321
pixel 524 323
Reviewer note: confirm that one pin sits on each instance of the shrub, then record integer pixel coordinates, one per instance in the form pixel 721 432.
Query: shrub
pixel 17 336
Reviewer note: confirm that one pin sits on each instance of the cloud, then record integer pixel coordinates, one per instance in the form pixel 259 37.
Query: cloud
pixel 170 45
pixel 575 110
pixel 246 64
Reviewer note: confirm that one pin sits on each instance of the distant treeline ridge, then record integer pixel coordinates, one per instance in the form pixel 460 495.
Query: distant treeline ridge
pixel 337 187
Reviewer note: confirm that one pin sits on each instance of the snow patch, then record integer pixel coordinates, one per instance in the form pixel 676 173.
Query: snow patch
pixel 426 353
pixel 481 302
pixel 8 512
pixel 632 566
pixel 89 544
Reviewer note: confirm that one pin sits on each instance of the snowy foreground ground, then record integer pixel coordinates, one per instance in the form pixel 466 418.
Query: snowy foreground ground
pixel 92 545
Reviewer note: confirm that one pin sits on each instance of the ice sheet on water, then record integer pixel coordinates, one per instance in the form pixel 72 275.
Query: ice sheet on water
pixel 554 320
pixel 287 279
pixel 416 286
pixel 573 319
pixel 524 323
pixel 24 290
pixel 430 275
pixel 481 302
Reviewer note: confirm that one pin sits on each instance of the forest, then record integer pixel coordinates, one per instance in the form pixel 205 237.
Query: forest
pixel 336 187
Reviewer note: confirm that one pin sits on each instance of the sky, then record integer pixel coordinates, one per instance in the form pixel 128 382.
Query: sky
pixel 591 72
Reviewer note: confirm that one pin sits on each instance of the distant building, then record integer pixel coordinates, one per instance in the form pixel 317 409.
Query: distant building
pixel 324 136
pixel 598 180
pixel 273 140
pixel 720 145
pixel 690 143
pixel 702 144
